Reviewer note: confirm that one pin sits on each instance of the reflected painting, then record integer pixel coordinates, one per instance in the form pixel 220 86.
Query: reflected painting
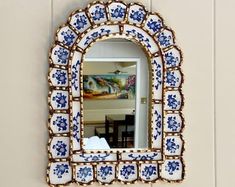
pixel 113 86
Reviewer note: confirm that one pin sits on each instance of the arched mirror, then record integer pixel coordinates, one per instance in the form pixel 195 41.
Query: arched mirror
pixel 115 98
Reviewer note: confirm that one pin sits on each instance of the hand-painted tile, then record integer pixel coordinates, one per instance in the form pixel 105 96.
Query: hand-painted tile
pixel 106 173
pixel 96 33
pixel 84 173
pixel 153 24
pixel 75 68
pixel 94 157
pixel 148 172
pixel 60 173
pixel 59 100
pixel 172 122
pixel 141 36
pixel 117 11
pixel 98 13
pixel 172 57
pixel 59 123
pixel 157 126
pixel 136 14
pixel 59 147
pixel 66 36
pixel 172 170
pixel 80 22
pixel 173 100
pixel 59 77
pixel 127 172
pixel 60 55
pixel 157 77
pixel 173 145
pixel 145 156
pixel 173 78
pixel 165 38
pixel 76 125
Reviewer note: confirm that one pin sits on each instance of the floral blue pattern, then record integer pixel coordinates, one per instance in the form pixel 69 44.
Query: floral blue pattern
pixel 61 123
pixel 140 37
pixel 105 171
pixel 155 26
pixel 158 127
pixel 172 166
pixel 128 170
pixel 171 59
pixel 158 74
pixel 172 123
pixel 62 55
pixel 61 148
pixel 61 169
pixel 143 157
pixel 137 15
pixel 81 21
pixel 98 14
pixel 95 157
pixel 84 172
pixel 171 145
pixel 149 171
pixel 60 99
pixel 164 40
pixel 96 35
pixel 118 12
pixel 171 78
pixel 172 101
pixel 76 127
pixel 60 76
pixel 75 69
pixel 69 37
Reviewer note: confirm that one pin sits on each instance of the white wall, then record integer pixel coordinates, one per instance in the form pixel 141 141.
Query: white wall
pixel 26 34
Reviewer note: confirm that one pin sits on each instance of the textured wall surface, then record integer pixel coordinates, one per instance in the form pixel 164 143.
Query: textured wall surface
pixel 203 31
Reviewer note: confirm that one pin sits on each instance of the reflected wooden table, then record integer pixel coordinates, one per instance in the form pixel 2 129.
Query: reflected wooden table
pixel 114 120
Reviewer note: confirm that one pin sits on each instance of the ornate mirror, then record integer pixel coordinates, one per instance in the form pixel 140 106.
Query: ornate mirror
pixel 115 98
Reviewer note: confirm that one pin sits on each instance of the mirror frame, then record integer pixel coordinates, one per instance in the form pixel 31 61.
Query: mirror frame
pixel 68 161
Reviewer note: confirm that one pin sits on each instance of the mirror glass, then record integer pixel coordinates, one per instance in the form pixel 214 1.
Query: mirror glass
pixel 115 92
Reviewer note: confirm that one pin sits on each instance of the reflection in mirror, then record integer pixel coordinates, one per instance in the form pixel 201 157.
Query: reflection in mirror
pixel 115 92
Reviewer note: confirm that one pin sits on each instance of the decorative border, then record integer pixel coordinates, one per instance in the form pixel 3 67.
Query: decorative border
pixel 68 161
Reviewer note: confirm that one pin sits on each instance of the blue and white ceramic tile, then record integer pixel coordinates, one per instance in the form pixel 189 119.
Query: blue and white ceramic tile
pixel 66 36
pixel 148 172
pixel 94 157
pixel 142 37
pixel 135 156
pixel 60 173
pixel 127 172
pixel 117 11
pixel 153 24
pixel 76 125
pixel 106 173
pixel 136 14
pixel 172 123
pixel 96 33
pixel 80 22
pixel 173 100
pixel 157 126
pixel 59 123
pixel 59 147
pixel 84 173
pixel 60 55
pixel 157 77
pixel 98 13
pixel 59 77
pixel 59 100
pixel 172 57
pixel 172 170
pixel 173 78
pixel 173 145
pixel 75 68
pixel 165 38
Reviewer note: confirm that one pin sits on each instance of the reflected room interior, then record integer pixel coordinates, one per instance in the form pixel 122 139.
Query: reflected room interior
pixel 115 96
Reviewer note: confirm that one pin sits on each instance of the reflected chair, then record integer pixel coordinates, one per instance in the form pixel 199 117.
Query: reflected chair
pixel 128 135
